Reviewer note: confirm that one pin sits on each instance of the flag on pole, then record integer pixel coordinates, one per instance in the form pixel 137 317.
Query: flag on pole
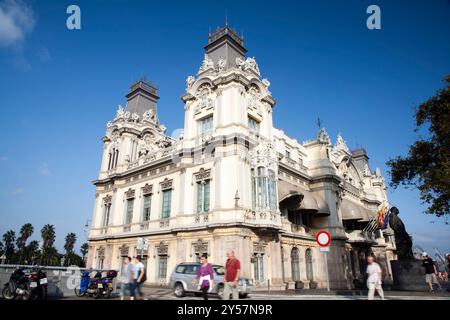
pixel 386 219
pixel 381 217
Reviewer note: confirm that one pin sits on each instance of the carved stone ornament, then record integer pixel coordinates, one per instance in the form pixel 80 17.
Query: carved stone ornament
pixel 149 116
pixel 124 250
pixel 200 246
pixel 206 64
pixel 323 136
pixel 264 155
pixel 147 189
pixel 190 81
pixel 167 184
pixel 340 144
pixel 254 99
pixel 204 98
pixel 202 174
pixel 130 193
pixel 221 65
pixel 119 113
pixel 247 65
pixel 101 252
pixel 162 249
pixel 259 246
pixel 107 200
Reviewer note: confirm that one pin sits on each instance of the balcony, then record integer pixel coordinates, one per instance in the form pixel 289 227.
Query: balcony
pixel 263 219
pixel 361 236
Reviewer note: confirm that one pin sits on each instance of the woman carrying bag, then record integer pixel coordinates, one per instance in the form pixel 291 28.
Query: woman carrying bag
pixel 205 276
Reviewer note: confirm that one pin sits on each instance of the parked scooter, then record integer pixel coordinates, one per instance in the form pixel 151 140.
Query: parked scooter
pixel 89 286
pixel 26 285
pixel 105 284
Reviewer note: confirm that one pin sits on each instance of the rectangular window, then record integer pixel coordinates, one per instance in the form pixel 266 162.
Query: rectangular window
pixel 162 267
pixel 259 267
pixel 205 125
pixel 253 124
pixel 129 213
pixel 167 199
pixel 106 214
pixel 203 191
pixel 147 206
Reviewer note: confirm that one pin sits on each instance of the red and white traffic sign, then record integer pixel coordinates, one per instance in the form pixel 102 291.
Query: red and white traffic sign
pixel 323 238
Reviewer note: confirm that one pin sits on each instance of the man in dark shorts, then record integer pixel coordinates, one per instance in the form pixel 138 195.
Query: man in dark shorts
pixel 232 271
pixel 430 271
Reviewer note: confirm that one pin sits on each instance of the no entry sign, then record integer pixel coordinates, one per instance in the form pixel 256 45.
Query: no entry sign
pixel 323 238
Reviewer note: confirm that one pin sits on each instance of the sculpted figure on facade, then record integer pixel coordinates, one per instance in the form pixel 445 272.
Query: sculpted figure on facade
pixel 207 64
pixel 221 64
pixel 149 116
pixel 190 81
pixel 120 112
pixel 134 117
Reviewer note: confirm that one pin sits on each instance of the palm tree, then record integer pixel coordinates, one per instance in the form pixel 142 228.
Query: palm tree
pixel 71 238
pixel 9 237
pixel 31 252
pixel 2 248
pixel 84 250
pixel 48 235
pixel 25 232
pixel 49 254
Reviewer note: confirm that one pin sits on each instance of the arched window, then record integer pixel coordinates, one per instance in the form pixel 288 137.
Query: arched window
pixel 295 264
pixel 263 187
pixel 272 191
pixel 309 265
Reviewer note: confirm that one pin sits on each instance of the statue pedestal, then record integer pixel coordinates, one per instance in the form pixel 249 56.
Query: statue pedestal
pixel 409 275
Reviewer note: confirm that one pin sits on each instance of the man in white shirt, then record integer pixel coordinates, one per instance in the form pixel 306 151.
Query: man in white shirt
pixel 139 276
pixel 374 276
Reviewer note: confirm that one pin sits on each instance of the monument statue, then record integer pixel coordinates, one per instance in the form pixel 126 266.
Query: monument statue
pixel 403 240
pixel 407 271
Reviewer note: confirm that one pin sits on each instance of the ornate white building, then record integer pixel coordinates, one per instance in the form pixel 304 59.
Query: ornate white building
pixel 233 181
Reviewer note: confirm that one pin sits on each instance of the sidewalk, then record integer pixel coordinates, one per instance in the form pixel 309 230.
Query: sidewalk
pixel 152 289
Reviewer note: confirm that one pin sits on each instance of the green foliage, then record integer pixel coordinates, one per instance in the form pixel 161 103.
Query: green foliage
pixel 84 249
pixel 71 238
pixel 427 165
pixel 9 238
pixel 25 232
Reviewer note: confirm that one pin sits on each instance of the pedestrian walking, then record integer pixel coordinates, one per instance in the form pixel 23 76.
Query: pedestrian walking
pixel 374 278
pixel 232 272
pixel 139 276
pixel 430 271
pixel 205 276
pixel 126 283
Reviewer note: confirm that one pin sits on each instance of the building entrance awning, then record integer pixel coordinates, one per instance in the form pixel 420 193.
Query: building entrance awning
pixel 353 211
pixel 302 200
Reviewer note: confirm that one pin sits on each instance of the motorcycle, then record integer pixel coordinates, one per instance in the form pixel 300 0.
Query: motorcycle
pixel 105 284
pixel 26 285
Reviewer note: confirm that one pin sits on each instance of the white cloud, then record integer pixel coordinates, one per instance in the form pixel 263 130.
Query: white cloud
pixel 16 20
pixel 44 171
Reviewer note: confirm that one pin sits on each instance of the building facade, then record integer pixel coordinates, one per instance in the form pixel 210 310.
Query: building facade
pixel 231 180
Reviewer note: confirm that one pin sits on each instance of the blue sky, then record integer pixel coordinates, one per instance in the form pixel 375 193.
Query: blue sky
pixel 58 87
